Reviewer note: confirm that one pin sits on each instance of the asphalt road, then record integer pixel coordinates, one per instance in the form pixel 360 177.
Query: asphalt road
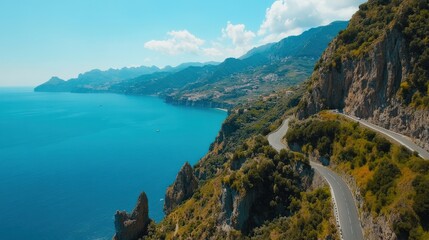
pixel 399 138
pixel 275 138
pixel 345 208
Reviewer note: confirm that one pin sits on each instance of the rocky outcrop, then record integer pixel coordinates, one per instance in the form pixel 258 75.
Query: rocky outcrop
pixel 368 86
pixel 242 210
pixel 236 209
pixel 182 189
pixel 133 226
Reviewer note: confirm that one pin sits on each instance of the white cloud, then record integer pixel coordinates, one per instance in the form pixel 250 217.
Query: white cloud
pixel 238 34
pixel 291 17
pixel 220 50
pixel 235 42
pixel 179 42
pixel 213 52
pixel 283 18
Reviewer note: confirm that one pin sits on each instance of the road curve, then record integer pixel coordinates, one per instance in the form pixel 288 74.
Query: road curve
pixel 399 138
pixel 345 208
pixel 275 138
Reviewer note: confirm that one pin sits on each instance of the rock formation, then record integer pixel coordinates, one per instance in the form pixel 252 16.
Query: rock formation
pixel 236 209
pixel 368 86
pixel 133 226
pixel 239 209
pixel 182 189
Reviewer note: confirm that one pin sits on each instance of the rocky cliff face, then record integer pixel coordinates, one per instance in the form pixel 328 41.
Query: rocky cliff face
pixel 236 209
pixel 133 226
pixel 182 189
pixel 368 86
pixel 241 210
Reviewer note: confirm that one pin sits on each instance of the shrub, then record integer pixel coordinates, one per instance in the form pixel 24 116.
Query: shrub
pixel 421 199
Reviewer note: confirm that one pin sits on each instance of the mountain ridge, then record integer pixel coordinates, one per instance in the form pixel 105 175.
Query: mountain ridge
pixel 100 80
pixel 227 83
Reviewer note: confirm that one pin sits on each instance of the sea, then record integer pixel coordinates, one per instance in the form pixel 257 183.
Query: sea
pixel 68 161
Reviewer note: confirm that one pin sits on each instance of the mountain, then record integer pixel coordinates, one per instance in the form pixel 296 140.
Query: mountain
pixel 54 84
pixel 378 69
pixel 257 50
pixel 94 80
pixel 260 71
pixel 186 65
pixel 100 81
pixel 311 43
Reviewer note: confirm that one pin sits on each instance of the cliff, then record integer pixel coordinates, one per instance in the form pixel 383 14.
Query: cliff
pixel 133 226
pixel 246 188
pixel 372 71
pixel 182 189
pixel 250 205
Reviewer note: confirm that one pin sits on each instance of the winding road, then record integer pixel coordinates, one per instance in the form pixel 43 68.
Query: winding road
pixel 344 204
pixel 399 138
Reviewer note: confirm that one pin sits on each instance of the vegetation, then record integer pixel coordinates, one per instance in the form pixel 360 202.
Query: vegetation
pixel 281 207
pixel 275 179
pixel 314 220
pixel 261 71
pixel 248 84
pixel 365 28
pixel 421 200
pixel 414 23
pixel 393 181
pixel 195 219
pixel 246 120
pixel 247 165
pixel 315 133
pixel 370 25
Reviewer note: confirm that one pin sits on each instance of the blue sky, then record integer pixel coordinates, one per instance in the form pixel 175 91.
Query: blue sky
pixel 45 38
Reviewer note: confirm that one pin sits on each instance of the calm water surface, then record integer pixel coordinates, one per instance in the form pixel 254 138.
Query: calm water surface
pixel 69 161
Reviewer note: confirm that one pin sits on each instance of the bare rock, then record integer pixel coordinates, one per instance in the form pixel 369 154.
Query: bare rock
pixel 368 87
pixel 182 189
pixel 133 226
pixel 238 207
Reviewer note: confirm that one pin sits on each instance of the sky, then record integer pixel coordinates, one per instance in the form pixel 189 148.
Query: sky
pixel 45 38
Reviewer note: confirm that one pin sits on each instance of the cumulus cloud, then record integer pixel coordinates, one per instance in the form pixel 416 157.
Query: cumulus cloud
pixel 291 17
pixel 235 41
pixel 283 18
pixel 179 42
pixel 238 34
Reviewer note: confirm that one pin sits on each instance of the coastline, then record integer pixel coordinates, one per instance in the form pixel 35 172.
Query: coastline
pixel 222 109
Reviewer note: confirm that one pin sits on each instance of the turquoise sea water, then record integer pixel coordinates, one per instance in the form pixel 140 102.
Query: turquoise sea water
pixel 69 161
